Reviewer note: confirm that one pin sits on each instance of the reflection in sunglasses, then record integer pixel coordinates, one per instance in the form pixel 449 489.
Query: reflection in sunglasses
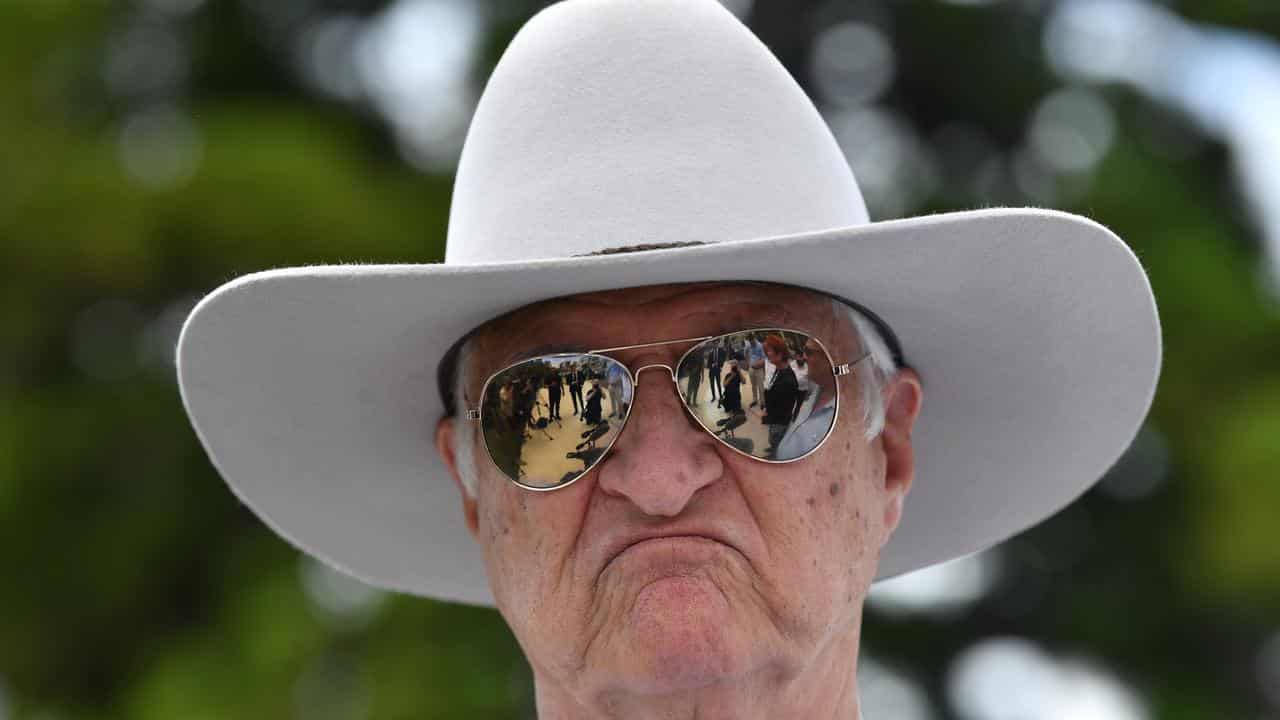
pixel 524 421
pixel 535 439
pixel 778 384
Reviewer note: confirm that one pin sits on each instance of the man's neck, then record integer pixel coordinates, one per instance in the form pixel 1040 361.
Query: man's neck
pixel 825 689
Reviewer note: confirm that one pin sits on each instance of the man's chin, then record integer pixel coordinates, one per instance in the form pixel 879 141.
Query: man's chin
pixel 682 631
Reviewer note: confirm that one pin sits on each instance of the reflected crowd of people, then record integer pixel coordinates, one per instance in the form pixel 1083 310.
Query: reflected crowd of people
pixel 792 403
pixel 526 426
pixel 770 394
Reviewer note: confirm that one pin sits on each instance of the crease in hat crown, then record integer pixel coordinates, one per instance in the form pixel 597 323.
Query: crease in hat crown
pixel 611 123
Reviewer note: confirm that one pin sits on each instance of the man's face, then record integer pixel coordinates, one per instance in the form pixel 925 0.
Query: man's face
pixel 773 560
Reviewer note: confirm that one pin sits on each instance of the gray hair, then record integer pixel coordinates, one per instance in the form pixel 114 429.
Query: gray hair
pixel 880 367
pixel 872 376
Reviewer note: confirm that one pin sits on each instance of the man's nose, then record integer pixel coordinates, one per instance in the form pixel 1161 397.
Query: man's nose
pixel 662 456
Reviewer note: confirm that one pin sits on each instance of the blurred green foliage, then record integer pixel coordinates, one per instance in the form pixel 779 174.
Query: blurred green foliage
pixel 137 587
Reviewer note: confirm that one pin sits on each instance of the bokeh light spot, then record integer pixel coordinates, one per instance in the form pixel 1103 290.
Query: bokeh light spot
pixel 340 600
pixel 852 64
pixel 145 59
pixel 326 56
pixel 414 60
pixel 896 171
pixel 1072 130
pixel 886 693
pixel 942 590
pixel 160 148
pixel 1009 678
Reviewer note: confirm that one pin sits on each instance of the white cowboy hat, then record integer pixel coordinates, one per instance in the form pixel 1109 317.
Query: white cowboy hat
pixel 614 123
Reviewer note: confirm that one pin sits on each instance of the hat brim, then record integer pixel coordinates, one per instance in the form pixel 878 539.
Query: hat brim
pixel 1035 333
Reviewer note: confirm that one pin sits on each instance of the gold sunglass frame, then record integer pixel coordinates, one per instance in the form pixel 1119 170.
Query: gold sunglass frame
pixel 837 370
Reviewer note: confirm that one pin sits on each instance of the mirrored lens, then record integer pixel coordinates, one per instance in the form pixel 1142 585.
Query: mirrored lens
pixel 770 394
pixel 548 420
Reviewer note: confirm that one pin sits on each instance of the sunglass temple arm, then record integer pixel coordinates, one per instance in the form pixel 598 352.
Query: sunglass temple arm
pixel 847 368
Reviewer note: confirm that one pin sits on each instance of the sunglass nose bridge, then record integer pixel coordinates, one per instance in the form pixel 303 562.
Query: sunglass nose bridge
pixel 642 368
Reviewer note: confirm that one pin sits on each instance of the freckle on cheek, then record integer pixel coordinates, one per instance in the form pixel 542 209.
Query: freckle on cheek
pixel 834 489
pixel 810 501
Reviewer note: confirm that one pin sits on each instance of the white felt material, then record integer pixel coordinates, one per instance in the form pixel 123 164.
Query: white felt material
pixel 616 122
pixel 610 123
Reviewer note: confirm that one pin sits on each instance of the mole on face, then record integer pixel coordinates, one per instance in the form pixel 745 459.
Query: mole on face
pixel 810 501
pixel 834 489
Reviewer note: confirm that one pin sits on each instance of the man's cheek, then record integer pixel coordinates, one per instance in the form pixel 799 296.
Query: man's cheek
pixel 501 514
pixel 500 530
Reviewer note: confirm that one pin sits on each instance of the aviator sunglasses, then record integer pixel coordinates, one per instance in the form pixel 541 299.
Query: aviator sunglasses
pixel 548 420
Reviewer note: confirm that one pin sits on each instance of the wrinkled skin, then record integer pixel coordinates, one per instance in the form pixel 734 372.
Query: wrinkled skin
pixel 763 622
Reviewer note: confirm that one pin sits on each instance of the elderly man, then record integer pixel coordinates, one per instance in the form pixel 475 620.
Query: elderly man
pixel 671 582
pixel 641 181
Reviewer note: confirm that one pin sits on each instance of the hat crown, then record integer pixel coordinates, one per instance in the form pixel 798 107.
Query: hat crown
pixel 612 123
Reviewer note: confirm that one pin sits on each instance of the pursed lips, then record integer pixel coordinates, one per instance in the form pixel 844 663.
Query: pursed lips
pixel 631 542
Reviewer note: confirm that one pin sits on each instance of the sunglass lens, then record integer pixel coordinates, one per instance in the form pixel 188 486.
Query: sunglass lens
pixel 548 420
pixel 770 394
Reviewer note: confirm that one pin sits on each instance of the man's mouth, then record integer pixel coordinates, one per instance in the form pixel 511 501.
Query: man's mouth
pixel 669 540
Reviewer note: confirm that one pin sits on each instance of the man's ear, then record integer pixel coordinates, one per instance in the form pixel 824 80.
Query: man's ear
pixel 903 396
pixel 446 445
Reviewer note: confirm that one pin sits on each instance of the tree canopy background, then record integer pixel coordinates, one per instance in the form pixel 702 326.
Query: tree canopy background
pixel 151 150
